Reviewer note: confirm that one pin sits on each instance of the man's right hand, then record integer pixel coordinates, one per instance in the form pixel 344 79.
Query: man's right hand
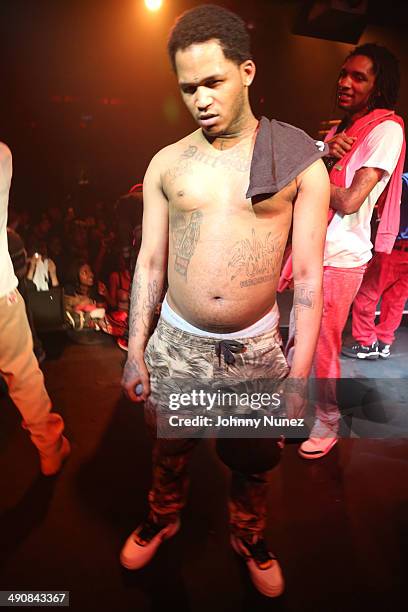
pixel 135 373
pixel 340 144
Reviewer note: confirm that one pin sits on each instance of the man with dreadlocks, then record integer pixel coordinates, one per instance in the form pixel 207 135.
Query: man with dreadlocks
pixel 366 159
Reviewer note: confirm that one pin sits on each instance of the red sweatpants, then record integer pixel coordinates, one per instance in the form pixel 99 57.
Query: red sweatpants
pixel 386 276
pixel 340 286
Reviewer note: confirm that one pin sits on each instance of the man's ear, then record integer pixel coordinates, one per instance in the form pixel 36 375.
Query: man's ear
pixel 248 71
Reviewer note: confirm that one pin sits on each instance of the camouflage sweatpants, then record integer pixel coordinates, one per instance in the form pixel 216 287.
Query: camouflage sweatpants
pixel 173 355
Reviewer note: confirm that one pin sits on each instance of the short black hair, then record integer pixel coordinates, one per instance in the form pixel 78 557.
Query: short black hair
pixel 387 74
pixel 207 22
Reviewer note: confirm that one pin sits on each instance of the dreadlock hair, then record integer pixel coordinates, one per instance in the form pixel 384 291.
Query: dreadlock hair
pixel 207 22
pixel 387 75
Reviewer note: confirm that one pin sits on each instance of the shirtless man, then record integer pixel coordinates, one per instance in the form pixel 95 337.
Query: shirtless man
pixel 222 252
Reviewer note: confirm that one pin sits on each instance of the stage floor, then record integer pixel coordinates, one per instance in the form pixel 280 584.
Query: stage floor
pixel 339 525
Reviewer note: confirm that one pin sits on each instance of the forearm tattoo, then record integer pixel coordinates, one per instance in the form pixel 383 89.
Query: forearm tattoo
pixel 134 312
pixel 150 303
pixel 303 299
pixel 295 385
pixel 343 199
pixel 142 309
pixel 304 296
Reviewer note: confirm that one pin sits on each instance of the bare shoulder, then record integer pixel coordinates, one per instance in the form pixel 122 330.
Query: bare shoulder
pixel 312 202
pixel 168 160
pixel 315 175
pixel 166 157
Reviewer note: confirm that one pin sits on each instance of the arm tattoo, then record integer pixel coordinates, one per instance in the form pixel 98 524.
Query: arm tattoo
pixel 142 312
pixel 295 385
pixel 134 313
pixel 304 298
pixel 150 303
pixel 349 200
pixel 130 371
pixel 186 234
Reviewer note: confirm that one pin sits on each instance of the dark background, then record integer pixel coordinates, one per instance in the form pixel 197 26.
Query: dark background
pixel 87 88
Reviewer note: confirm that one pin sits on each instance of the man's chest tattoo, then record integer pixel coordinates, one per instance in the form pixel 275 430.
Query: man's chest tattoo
pixel 184 167
pixel 236 159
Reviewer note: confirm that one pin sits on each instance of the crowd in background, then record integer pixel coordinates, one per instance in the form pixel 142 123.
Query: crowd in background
pixel 89 255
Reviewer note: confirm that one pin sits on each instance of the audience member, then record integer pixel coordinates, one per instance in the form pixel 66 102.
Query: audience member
pixel 42 271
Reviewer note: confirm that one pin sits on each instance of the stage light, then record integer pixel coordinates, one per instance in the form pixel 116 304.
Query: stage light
pixel 153 5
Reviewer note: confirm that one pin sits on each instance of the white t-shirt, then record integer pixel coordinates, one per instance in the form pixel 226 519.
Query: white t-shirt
pixel 8 280
pixel 348 243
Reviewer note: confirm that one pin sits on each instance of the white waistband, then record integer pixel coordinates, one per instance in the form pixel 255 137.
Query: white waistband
pixel 266 324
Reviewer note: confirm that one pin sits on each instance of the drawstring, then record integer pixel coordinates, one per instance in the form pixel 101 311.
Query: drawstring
pixel 227 348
